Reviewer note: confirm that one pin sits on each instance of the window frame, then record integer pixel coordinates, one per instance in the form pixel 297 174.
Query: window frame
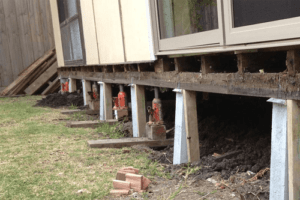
pixel 195 40
pixel 264 32
pixel 66 23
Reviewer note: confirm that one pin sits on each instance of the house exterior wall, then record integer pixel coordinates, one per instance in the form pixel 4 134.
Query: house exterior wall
pixel 122 31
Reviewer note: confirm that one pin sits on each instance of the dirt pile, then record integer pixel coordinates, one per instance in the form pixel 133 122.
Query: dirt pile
pixel 61 100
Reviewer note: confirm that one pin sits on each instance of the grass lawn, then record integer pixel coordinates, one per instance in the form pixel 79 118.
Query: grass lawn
pixel 40 158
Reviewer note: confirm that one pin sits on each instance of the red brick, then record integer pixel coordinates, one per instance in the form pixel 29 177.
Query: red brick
pixel 146 183
pixel 121 174
pixel 121 185
pixel 119 192
pixel 131 168
pixel 136 181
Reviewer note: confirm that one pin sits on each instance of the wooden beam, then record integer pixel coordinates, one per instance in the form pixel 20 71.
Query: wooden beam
pixel 52 87
pixel 128 142
pixel 90 124
pixel 163 65
pixel 270 85
pixel 293 62
pixel 72 85
pixel 42 79
pixel 293 110
pixel 88 112
pixel 208 64
pixel 138 110
pixel 191 125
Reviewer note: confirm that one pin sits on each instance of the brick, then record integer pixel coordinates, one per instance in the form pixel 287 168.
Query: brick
pixel 121 185
pixel 121 174
pixel 131 168
pixel 146 183
pixel 119 192
pixel 136 181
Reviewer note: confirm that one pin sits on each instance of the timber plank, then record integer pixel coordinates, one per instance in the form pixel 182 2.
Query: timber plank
pixel 293 112
pixel 88 112
pixel 42 79
pixel 52 87
pixel 27 73
pixel 13 36
pixel 270 85
pixel 128 142
pixel 90 124
pixel 25 33
pixel 5 62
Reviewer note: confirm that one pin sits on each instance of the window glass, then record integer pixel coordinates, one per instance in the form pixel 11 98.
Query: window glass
pixel 183 17
pixel 76 41
pixel 249 12
pixel 72 7
pixel 67 49
pixel 61 11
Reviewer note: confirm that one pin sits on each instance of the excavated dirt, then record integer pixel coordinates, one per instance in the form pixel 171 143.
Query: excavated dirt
pixel 58 100
pixel 235 139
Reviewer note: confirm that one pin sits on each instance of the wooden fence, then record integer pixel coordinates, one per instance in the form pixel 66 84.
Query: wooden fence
pixel 26 33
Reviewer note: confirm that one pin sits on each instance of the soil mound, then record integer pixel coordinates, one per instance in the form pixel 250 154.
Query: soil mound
pixel 60 100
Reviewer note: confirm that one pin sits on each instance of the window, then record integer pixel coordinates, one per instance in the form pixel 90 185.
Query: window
pixel 248 21
pixel 71 34
pixel 188 23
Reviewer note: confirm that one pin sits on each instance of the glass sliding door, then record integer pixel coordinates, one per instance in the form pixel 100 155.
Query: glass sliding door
pixel 248 21
pixel 188 23
pixel 71 31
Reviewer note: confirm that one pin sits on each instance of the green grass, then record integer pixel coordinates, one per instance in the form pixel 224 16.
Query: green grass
pixel 40 158
pixel 110 131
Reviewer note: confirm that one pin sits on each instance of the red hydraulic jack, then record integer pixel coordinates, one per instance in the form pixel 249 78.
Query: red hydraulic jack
pixel 155 128
pixel 65 87
pixel 94 103
pixel 120 104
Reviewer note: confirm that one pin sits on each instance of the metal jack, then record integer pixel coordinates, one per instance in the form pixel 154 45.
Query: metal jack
pixel 120 104
pixel 155 128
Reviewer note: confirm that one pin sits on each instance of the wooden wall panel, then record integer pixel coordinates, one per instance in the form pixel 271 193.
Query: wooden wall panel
pixel 57 34
pixel 44 22
pixel 89 32
pixel 50 25
pixel 36 28
pixel 5 64
pixel 137 37
pixel 109 31
pixel 24 32
pixel 13 37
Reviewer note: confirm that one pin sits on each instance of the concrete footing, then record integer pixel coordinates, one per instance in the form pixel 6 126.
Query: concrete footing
pixel 279 151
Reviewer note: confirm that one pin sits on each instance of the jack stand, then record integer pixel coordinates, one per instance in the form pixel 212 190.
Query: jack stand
pixel 64 85
pixel 155 128
pixel 94 103
pixel 120 104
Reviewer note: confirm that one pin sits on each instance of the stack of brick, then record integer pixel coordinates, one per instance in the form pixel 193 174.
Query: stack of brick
pixel 127 180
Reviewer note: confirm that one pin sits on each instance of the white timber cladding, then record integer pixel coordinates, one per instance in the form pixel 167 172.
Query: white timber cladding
pixel 109 31
pixel 57 33
pixel 89 32
pixel 137 37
